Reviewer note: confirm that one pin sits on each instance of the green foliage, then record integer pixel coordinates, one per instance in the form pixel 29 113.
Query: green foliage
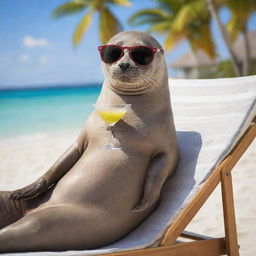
pixel 241 11
pixel 172 39
pixel 223 69
pixel 69 8
pixel 179 20
pixel 108 25
pixel 81 28
pixel 149 16
pixel 253 68
pixel 121 2
pixel 191 20
pixel 190 13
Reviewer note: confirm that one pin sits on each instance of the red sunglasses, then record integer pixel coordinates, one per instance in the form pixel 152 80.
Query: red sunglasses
pixel 141 55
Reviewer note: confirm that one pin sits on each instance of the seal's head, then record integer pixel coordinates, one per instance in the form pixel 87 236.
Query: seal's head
pixel 132 76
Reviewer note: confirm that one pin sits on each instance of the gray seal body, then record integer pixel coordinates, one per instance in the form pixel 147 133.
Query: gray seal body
pixel 93 196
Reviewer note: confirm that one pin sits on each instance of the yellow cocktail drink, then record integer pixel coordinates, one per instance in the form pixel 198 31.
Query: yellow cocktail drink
pixel 110 116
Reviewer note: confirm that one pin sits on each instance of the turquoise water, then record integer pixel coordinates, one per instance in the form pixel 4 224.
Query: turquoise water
pixel 46 109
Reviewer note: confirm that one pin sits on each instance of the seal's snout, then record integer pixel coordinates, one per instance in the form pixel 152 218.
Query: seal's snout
pixel 124 66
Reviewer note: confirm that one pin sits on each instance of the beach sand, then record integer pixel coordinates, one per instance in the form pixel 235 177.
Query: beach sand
pixel 23 159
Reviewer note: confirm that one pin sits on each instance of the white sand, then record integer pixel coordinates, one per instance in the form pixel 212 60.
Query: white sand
pixel 23 159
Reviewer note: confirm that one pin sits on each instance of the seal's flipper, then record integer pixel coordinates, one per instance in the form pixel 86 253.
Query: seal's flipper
pixel 30 191
pixel 51 177
pixel 157 173
pixel 10 210
pixel 145 204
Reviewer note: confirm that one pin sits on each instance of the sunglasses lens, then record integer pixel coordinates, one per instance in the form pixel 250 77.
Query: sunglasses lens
pixel 110 54
pixel 142 55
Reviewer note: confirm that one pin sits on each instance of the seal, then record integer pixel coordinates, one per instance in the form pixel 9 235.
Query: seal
pixel 93 196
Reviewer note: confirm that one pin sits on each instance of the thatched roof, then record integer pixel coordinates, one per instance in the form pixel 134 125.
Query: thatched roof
pixel 193 59
pixel 199 59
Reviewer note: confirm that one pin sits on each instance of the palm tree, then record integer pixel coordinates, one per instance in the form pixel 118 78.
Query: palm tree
pixel 179 20
pixel 108 23
pixel 213 7
pixel 241 11
pixel 190 19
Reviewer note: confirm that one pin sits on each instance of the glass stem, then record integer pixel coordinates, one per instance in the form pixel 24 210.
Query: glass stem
pixel 111 135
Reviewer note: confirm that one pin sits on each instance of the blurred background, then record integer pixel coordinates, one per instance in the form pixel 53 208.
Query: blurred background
pixel 50 69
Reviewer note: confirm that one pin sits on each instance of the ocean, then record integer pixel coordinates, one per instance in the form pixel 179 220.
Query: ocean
pixel 43 110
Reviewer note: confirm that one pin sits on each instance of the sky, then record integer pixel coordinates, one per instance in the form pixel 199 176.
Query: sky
pixel 36 49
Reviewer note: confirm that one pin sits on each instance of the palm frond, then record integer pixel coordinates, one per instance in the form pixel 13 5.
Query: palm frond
pixel 183 19
pixel 171 6
pixel 81 28
pixel 241 12
pixel 120 2
pixel 160 27
pixel 108 25
pixel 240 6
pixel 172 39
pixel 201 39
pixel 234 27
pixel 69 8
pixel 189 13
pixel 148 16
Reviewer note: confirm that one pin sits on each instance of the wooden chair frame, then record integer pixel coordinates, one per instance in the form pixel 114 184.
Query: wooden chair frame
pixel 203 245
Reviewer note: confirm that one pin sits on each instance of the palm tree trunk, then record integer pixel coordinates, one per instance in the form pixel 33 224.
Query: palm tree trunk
pixel 246 59
pixel 196 68
pixel 214 13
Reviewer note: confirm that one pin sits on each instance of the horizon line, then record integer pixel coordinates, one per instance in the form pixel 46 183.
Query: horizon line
pixel 49 86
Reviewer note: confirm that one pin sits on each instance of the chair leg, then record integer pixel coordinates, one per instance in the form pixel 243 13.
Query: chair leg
pixel 229 214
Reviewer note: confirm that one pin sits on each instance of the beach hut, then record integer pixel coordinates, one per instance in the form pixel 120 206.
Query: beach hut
pixel 199 65
pixel 193 65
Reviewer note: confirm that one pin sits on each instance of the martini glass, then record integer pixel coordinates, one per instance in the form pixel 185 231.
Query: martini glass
pixel 111 114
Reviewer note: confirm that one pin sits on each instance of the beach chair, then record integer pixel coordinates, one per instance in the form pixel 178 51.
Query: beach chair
pixel 216 122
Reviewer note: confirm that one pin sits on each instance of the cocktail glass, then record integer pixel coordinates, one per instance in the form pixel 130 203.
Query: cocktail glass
pixel 111 114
